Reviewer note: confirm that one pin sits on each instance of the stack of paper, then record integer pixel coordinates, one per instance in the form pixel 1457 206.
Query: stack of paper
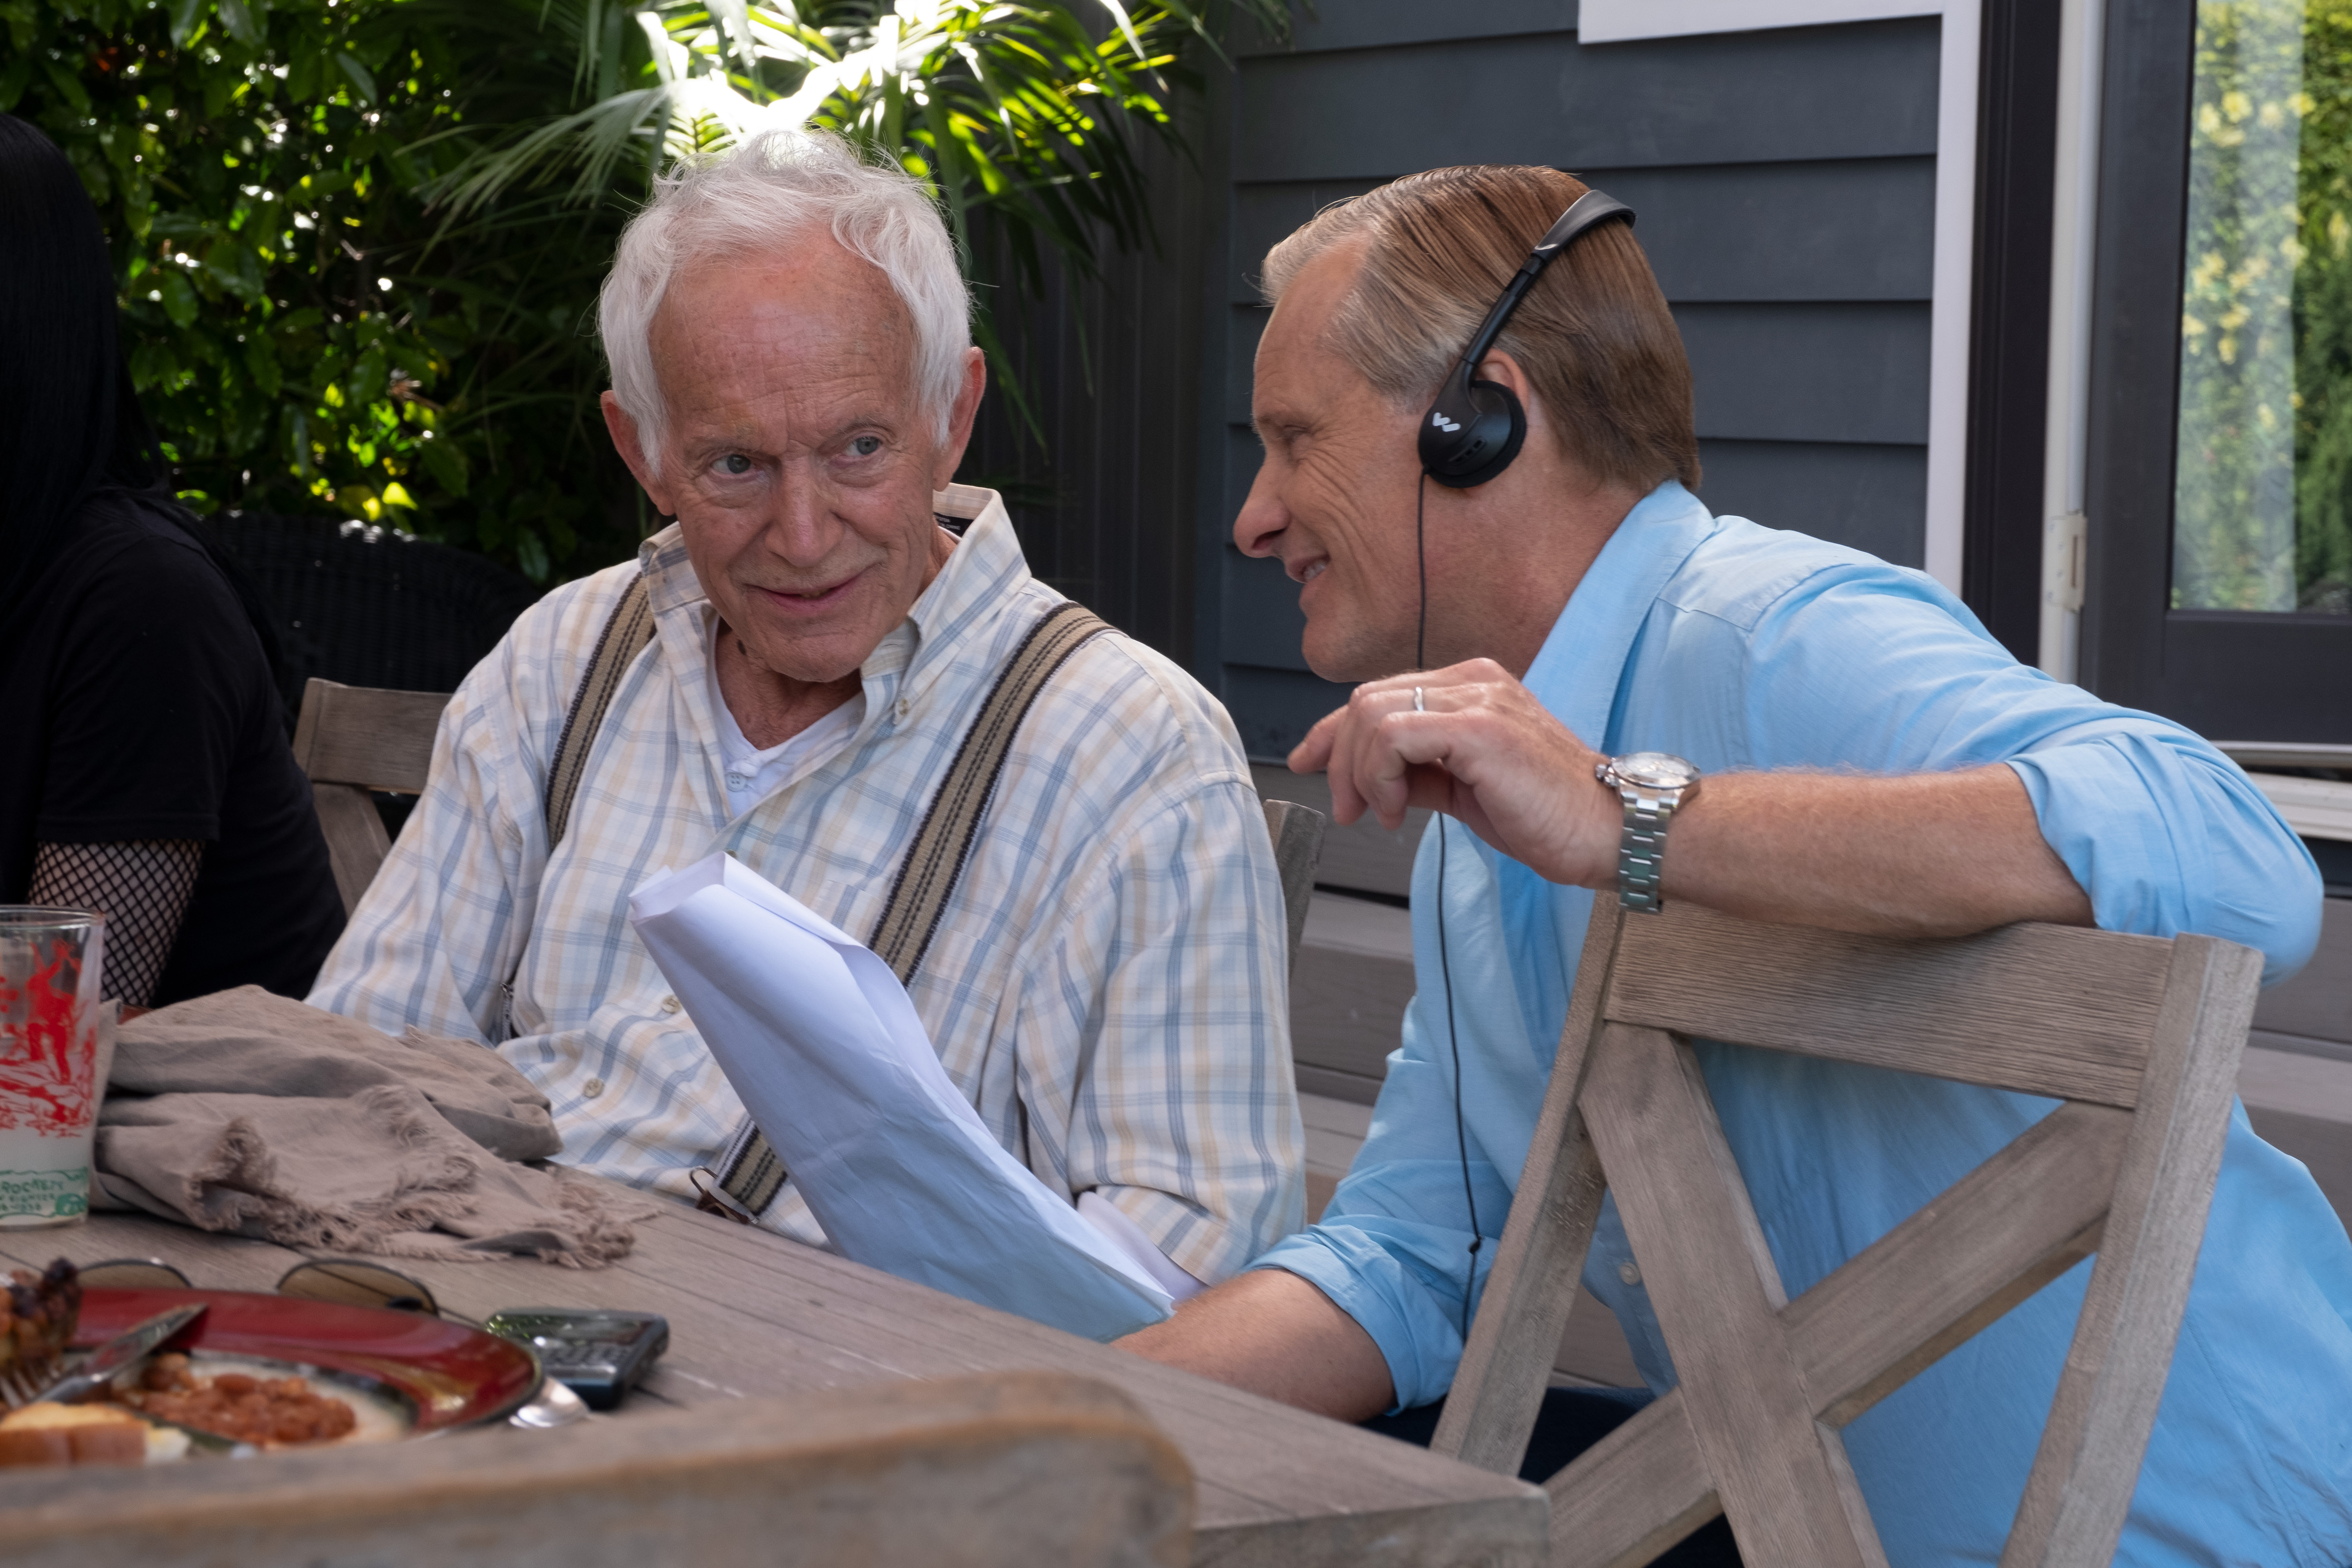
pixel 826 1052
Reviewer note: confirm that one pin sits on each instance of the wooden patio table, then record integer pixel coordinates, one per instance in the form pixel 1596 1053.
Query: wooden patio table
pixel 753 1314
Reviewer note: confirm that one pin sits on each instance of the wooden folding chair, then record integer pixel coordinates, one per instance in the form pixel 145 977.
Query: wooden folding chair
pixel 2141 1038
pixel 351 740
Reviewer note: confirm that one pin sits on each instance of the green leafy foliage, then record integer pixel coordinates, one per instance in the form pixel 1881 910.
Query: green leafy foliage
pixel 359 241
pixel 1018 114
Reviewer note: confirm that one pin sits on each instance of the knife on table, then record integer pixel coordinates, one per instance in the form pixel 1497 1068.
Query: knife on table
pixel 125 1350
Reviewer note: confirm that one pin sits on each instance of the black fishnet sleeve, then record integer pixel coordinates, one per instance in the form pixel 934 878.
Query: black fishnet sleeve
pixel 141 886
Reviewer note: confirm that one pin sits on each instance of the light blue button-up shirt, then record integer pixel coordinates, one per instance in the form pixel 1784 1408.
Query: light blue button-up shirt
pixel 1741 648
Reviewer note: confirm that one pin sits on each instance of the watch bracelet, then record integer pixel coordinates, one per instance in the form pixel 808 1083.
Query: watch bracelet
pixel 1641 852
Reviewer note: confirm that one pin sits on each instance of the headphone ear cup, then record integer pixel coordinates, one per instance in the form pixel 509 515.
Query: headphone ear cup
pixel 1493 430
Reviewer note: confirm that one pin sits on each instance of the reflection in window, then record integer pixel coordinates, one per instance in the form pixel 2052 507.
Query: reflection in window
pixel 2263 505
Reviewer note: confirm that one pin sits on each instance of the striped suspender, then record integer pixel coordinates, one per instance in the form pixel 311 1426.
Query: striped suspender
pixel 749 1175
pixel 623 637
pixel 625 634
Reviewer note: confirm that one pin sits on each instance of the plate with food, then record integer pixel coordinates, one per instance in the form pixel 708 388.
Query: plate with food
pixel 259 1373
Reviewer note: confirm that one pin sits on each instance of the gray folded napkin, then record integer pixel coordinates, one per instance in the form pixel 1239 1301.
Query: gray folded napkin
pixel 246 1112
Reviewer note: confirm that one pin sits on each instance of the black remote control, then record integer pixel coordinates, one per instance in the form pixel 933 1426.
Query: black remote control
pixel 599 1355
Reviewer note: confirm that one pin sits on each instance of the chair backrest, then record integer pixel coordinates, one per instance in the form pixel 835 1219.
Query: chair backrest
pixel 2141 1038
pixel 352 740
pixel 1000 1470
pixel 1298 834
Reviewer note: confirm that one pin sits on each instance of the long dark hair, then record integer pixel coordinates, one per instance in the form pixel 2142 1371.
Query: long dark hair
pixel 70 423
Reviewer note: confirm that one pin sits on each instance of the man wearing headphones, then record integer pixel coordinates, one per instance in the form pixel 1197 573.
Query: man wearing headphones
pixel 1555 639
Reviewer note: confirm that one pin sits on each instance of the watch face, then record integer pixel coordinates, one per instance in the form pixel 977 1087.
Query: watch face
pixel 1656 770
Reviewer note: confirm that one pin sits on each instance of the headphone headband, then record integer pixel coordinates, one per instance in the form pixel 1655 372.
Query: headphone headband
pixel 1475 427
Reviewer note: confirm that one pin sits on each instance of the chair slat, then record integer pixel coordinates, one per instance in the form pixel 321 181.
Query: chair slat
pixel 365 736
pixel 356 841
pixel 1000 1470
pixel 1298 834
pixel 1632 1494
pixel 1499 1387
pixel 1711 1281
pixel 2040 1009
pixel 2079 1492
pixel 1984 1244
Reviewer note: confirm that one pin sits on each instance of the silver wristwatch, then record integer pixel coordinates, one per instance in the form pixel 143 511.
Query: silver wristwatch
pixel 1652 786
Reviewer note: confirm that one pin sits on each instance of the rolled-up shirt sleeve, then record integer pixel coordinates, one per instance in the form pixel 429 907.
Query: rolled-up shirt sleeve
pixel 1392 1250
pixel 1879 668
pixel 2168 836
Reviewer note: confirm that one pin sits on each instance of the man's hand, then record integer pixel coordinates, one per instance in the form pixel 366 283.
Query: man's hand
pixel 1483 752
pixel 1917 854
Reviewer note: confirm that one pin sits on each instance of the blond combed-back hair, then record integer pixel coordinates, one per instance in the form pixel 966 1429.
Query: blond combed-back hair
pixel 1593 335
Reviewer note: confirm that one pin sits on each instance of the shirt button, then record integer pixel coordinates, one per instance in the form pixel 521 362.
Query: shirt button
pixel 903 708
pixel 593 1088
pixel 669 1004
pixel 1629 1272
pixel 737 780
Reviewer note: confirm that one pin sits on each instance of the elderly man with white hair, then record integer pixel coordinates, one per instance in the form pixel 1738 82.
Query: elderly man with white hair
pixel 793 382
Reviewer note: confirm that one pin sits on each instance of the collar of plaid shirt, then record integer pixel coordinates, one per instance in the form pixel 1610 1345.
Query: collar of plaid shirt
pixel 972 588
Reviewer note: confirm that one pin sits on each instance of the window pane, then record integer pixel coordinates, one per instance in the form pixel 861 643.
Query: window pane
pixel 2263 506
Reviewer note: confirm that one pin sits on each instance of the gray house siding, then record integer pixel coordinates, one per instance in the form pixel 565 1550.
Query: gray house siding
pixel 1103 487
pixel 1786 185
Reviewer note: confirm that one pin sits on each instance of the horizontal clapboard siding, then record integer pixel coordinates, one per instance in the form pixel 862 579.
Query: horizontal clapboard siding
pixel 1786 187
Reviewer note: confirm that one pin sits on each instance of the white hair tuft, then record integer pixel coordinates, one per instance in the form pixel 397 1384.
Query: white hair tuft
pixel 762 194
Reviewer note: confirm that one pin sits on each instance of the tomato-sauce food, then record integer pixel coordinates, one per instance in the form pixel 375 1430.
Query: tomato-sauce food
pixel 267 1412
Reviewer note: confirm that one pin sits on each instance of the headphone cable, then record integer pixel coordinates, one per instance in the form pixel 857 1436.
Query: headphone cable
pixel 1444 959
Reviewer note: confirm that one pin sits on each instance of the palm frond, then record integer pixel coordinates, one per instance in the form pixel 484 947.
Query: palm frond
pixel 1030 115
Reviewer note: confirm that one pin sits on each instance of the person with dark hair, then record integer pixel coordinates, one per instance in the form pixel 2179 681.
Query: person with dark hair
pixel 145 772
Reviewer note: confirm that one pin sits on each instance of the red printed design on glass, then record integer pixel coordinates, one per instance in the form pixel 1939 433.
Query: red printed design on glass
pixel 48 1061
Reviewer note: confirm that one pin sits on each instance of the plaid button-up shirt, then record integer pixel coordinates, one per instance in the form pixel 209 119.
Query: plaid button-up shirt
pixel 1107 984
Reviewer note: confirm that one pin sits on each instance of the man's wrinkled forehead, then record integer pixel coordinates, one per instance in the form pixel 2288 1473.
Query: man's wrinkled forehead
pixel 813 287
pixel 1296 363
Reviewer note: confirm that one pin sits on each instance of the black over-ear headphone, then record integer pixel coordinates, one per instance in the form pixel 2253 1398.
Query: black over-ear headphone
pixel 1475 427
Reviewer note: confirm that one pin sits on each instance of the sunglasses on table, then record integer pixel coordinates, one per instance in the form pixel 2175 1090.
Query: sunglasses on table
pixel 348 1281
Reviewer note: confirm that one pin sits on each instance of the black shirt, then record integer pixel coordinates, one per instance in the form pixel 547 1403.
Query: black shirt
pixel 136 703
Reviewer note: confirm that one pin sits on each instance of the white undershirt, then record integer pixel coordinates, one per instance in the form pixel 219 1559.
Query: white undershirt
pixel 751 775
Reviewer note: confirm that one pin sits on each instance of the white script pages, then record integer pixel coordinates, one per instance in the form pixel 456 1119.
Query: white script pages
pixel 826 1052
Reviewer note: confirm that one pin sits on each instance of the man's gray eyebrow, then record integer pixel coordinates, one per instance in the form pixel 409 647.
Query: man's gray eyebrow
pixel 713 445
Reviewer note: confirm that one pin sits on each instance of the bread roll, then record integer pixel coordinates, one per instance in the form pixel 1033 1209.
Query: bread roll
pixel 73 1435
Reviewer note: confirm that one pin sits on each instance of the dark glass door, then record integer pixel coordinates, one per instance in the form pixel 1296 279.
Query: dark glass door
pixel 2220 431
